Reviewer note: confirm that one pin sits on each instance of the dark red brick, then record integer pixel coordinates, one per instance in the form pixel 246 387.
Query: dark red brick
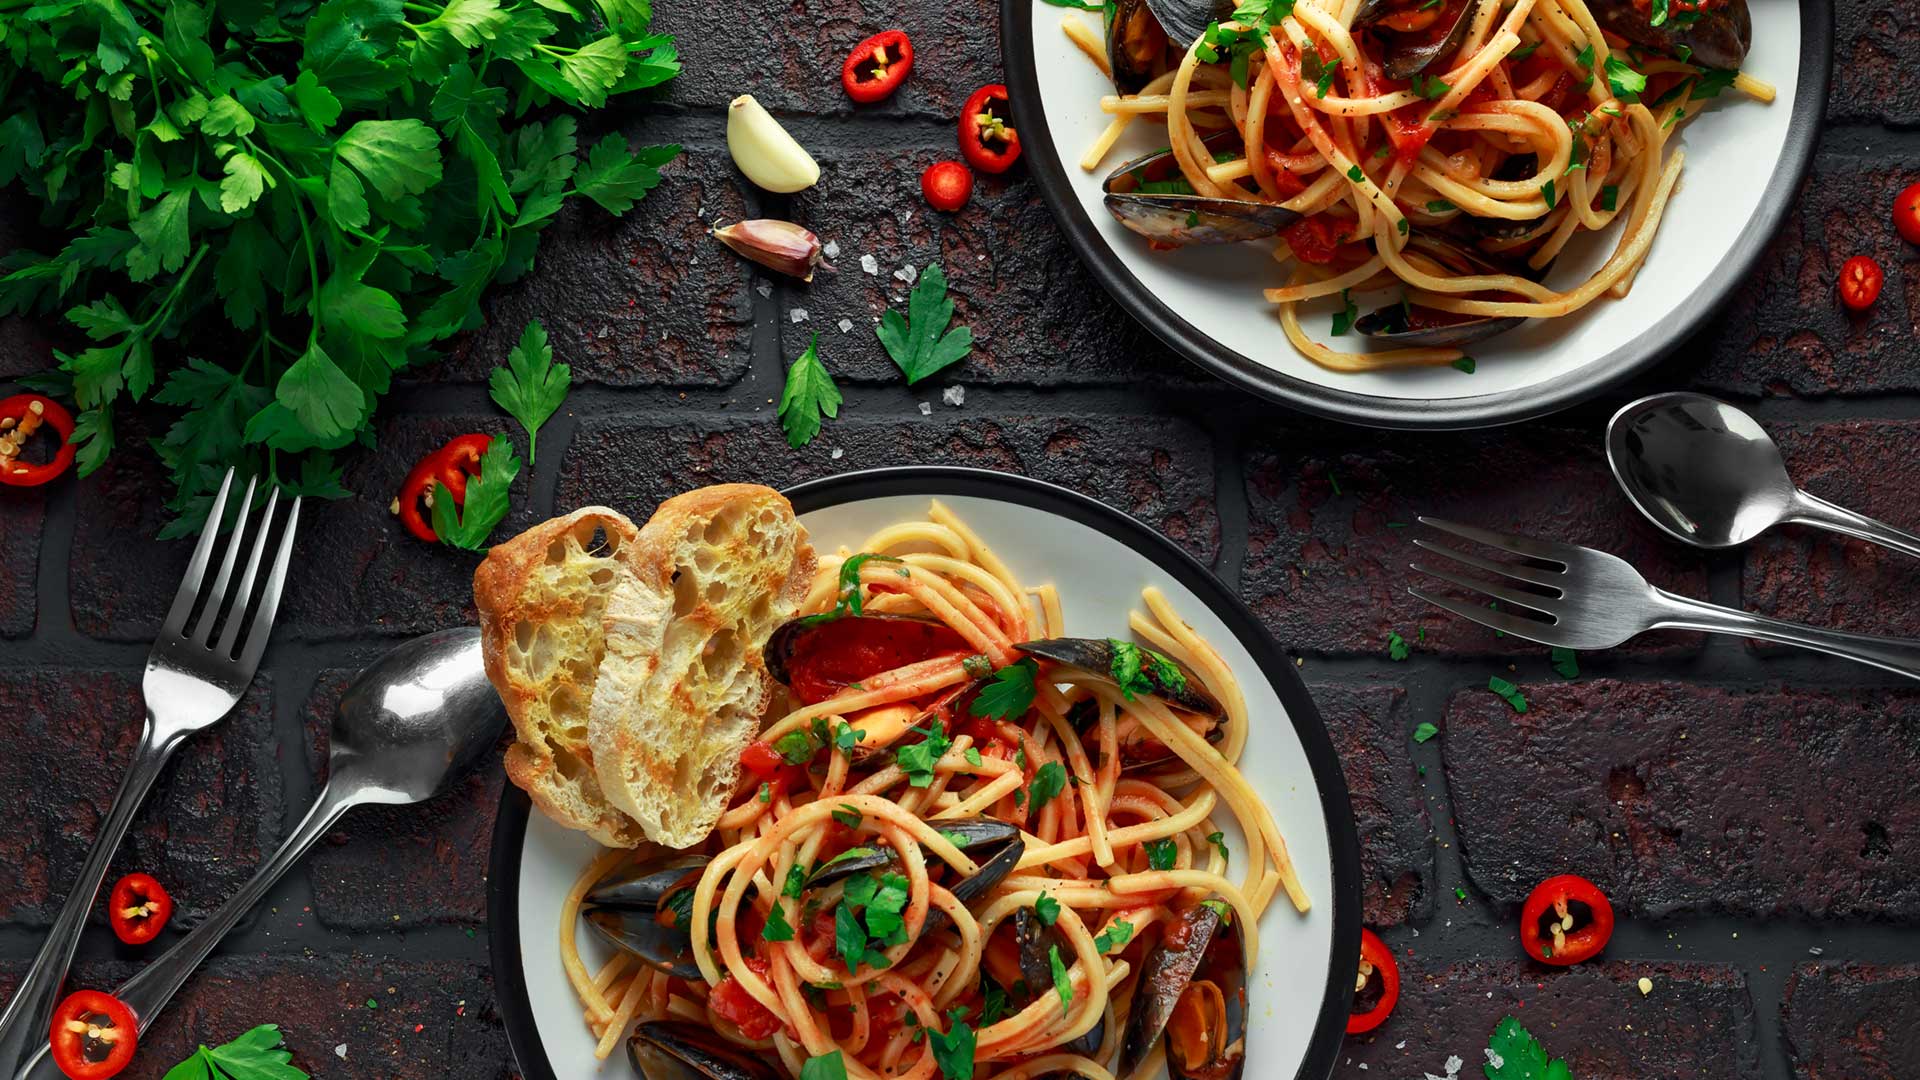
pixel 1371 729
pixel 355 568
pixel 400 867
pixel 1037 316
pixel 1853 1021
pixel 1785 332
pixel 1159 470
pixel 1876 62
pixel 643 299
pixel 1678 798
pixel 1332 523
pixel 791 59
pixel 22 523
pixel 70 734
pixel 1809 575
pixel 1698 1023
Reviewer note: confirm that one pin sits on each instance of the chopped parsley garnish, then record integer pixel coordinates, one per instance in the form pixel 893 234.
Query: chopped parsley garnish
pixel 1440 206
pixel 848 815
pixel 796 881
pixel 1349 313
pixel 1049 781
pixel 1430 87
pixel 845 737
pixel 1524 51
pixel 681 904
pixel 1609 197
pixel 1117 933
pixel 1521 1056
pixel 1547 192
pixel 1625 82
pixel 920 343
pixel 777 928
pixel 1424 731
pixel 1508 691
pixel 1465 364
pixel 849 599
pixel 953 1050
pixel 973 757
pixel 1402 226
pixel 1010 694
pixel 919 759
pixel 1397 647
pixel 766 792
pixel 1567 663
pixel 825 1067
pixel 993 1001
pixel 1219 842
pixel 1585 58
pixel 808 395
pixel 851 853
pixel 1316 71
pixel 1460 893
pixel 1161 854
pixel 1657 13
pixel 1354 174
pixel 1221 908
pixel 1047 910
pixel 1061 984
pixel 1138 670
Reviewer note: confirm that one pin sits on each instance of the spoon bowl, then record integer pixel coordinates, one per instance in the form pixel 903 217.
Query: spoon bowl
pixel 1702 470
pixel 414 720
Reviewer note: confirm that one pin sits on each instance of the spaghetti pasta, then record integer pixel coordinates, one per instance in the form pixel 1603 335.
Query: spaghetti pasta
pixel 967 848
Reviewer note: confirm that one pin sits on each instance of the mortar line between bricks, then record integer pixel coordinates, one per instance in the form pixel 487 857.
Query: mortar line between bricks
pixel 1230 504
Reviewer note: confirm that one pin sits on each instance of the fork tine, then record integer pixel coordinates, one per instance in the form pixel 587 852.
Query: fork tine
pixel 1531 574
pixel 256 642
pixel 1517 545
pixel 216 595
pixel 1543 605
pixel 197 566
pixel 231 631
pixel 1543 633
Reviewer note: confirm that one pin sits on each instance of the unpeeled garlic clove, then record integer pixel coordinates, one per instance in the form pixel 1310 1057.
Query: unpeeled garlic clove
pixel 764 151
pixel 776 245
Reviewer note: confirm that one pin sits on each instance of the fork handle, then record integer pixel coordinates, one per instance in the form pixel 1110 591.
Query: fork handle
pixel 1898 655
pixel 1814 510
pixel 23 1027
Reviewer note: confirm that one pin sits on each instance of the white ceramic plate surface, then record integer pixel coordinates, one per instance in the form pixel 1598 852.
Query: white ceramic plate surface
pixel 1100 560
pixel 1744 160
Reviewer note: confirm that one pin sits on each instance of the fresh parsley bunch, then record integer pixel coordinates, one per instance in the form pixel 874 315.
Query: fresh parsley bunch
pixel 264 209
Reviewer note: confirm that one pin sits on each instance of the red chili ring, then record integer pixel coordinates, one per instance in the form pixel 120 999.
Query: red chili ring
pixel 81 1054
pixel 17 473
pixel 451 465
pixel 987 140
pixel 877 66
pixel 1375 952
pixel 137 908
pixel 1580 942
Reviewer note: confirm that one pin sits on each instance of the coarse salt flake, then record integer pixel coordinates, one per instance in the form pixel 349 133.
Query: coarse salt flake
pixel 1454 1064
pixel 926 408
pixel 908 273
pixel 837 454
pixel 954 395
pixel 870 264
pixel 845 325
pixel 1494 1060
pixel 798 314
pixel 764 288
pixel 340 1051
pixel 831 250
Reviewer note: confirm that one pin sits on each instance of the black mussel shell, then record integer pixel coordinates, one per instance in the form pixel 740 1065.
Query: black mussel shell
pixel 1718 38
pixel 993 844
pixel 1036 969
pixel 1201 944
pixel 624 908
pixel 1138 33
pixel 1138 756
pixel 1095 656
pixel 788 639
pixel 1409 54
pixel 1413 326
pixel 677 1050
pixel 1149 196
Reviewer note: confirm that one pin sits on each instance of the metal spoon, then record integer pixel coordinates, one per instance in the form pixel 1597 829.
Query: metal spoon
pixel 1707 474
pixel 407 727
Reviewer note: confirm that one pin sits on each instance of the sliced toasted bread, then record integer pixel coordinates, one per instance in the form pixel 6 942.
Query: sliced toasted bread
pixel 541 598
pixel 682 684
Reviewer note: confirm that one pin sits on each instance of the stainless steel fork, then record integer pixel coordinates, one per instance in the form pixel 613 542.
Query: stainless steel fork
pixel 1587 599
pixel 192 680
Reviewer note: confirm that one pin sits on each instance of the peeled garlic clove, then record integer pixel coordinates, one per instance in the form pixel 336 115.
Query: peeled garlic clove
pixel 764 151
pixel 777 245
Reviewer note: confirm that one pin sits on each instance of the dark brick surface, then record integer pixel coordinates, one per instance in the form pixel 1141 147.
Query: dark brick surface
pixel 1332 523
pixel 400 867
pixel 1811 576
pixel 1876 63
pixel 23 518
pixel 1697 1024
pixel 1159 470
pixel 1371 730
pixel 1676 798
pixel 644 299
pixel 1853 1021
pixel 355 568
pixel 69 734
pixel 1037 316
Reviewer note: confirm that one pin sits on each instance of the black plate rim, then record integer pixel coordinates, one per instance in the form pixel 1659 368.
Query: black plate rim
pixel 1432 414
pixel 1336 807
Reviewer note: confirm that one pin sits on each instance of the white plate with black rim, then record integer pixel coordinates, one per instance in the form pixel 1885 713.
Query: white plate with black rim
pixel 1301 988
pixel 1745 161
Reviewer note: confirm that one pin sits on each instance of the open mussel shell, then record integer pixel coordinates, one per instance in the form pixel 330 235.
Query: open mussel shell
pixel 1036 970
pixel 1095 656
pixel 993 844
pixel 827 636
pixel 678 1050
pixel 1139 31
pixel 1717 38
pixel 628 909
pixel 1192 990
pixel 1407 325
pixel 1138 755
pixel 1149 196
pixel 1410 52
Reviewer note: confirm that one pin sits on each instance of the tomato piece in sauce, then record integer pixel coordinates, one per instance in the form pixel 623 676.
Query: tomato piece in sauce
pixel 833 655
pixel 732 1003
pixel 1315 239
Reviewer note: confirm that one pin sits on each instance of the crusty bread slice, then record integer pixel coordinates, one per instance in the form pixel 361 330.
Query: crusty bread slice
pixel 682 684
pixel 541 598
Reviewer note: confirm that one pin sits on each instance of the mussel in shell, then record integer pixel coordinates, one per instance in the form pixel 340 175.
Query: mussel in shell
pixel 1127 664
pixel 1151 197
pixel 1407 325
pixel 1141 753
pixel 991 843
pixel 678 1050
pixel 1717 36
pixel 1416 33
pixel 818 658
pixel 1139 31
pixel 1034 942
pixel 1192 990
pixel 646 909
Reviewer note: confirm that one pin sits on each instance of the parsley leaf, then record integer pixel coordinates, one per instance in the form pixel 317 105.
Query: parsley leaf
pixel 796 883
pixel 1162 854
pixel 849 937
pixel 953 1050
pixel 845 737
pixel 777 927
pixel 1623 79
pixel 1711 82
pixel 1219 842
pixel 1061 984
pixel 1117 933
pixel 1508 691
pixel 1567 663
pixel 1465 364
pixel 531 386
pixel 1657 13
pixel 848 815
pixel 919 759
pixel 1521 1056
pixel 616 178
pixel 920 343
pixel 808 395
pixel 1429 87
pixel 1424 730
pixel 973 757
pixel 1349 313
pixel 1047 909
pixel 256 1055
pixel 825 1067
pixel 1397 647
pixel 1049 781
pixel 486 504
pixel 797 747
pixel 1609 197
pixel 1010 694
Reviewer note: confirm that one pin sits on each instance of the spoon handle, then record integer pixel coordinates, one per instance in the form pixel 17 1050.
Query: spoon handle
pixel 1814 510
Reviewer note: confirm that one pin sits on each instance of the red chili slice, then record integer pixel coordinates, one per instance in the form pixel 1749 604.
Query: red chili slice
pixel 1581 921
pixel 93 1035
pixel 1376 985
pixel 20 416
pixel 451 465
pixel 829 657
pixel 946 185
pixel 987 140
pixel 137 908
pixel 877 66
